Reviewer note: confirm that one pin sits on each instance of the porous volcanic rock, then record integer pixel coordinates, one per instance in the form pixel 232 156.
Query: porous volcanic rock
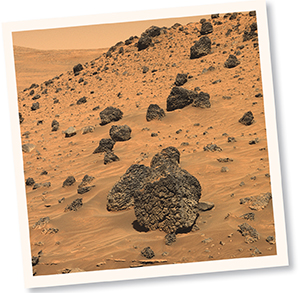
pixel 257 202
pixel 247 118
pixel 248 35
pixel 110 114
pixel 29 181
pixel 206 28
pixel 120 132
pixel 231 62
pixel 146 37
pixel 201 48
pixel 165 196
pixel 250 234
pixel 154 112
pixel 148 252
pixel 70 180
pixel 120 197
pixel 179 98
pixel 55 125
pixel 86 180
pixel 77 68
pixel 110 157
pixel 105 145
pixel 75 205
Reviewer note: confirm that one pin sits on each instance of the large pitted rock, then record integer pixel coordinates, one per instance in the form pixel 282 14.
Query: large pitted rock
pixel 247 118
pixel 164 196
pixel 206 28
pixel 231 62
pixel 146 37
pixel 179 98
pixel 120 132
pixel 201 48
pixel 110 114
pixel 154 112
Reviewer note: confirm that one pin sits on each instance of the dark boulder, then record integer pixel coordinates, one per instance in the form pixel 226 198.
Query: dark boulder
pixel 202 100
pixel 30 181
pixel 86 180
pixel 154 112
pixel 110 157
pixel 216 15
pixel 247 118
pixel 250 233
pixel 82 101
pixel 77 68
pixel 144 42
pixel 181 79
pixel 105 145
pixel 206 28
pixel 75 205
pixel 71 131
pixel 169 155
pixel 55 125
pixel 232 61
pixel 70 180
pixel 248 35
pixel 170 238
pixel 201 48
pixel 35 106
pixel 179 98
pixel 148 252
pixel 120 197
pixel 120 132
pixel 145 69
pixel 153 31
pixel 82 190
pixel 110 114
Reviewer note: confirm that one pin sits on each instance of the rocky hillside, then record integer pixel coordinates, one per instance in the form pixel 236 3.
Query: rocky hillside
pixel 155 152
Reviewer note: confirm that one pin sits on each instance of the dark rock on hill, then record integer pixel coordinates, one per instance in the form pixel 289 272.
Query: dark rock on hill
pixel 144 42
pixel 70 180
pixel 201 48
pixel 77 68
pixel 105 145
pixel 154 112
pixel 120 132
pixel 231 62
pixel 179 98
pixel 247 118
pixel 110 114
pixel 206 28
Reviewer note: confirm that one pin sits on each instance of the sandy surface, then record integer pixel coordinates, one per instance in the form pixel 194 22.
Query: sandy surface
pixel 94 239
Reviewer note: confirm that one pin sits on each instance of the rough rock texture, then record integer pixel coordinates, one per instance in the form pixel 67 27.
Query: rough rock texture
pixel 201 48
pixel 75 205
pixel 35 106
pixel 85 181
pixel 110 157
pixel 231 62
pixel 120 197
pixel 179 98
pixel 120 132
pixel 181 79
pixel 146 37
pixel 21 119
pixel 154 112
pixel 206 28
pixel 71 131
pixel 55 125
pixel 250 234
pixel 105 145
pixel 258 202
pixel 110 114
pixel 28 147
pixel 70 180
pixel 29 181
pixel 205 206
pixel 77 68
pixel 247 118
pixel 212 148
pixel 202 100
pixel 148 252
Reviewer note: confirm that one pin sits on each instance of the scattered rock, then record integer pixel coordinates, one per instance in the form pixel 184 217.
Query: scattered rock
pixel 154 112
pixel 206 28
pixel 28 147
pixel 247 118
pixel 148 252
pixel 248 35
pixel 201 48
pixel 21 119
pixel 82 100
pixel 181 79
pixel 110 157
pixel 30 181
pixel 212 148
pixel 105 145
pixel 224 160
pixel 250 234
pixel 41 223
pixel 55 125
pixel 248 216
pixel 71 131
pixel 232 61
pixel 205 206
pixel 77 68
pixel 224 169
pixel 82 190
pixel 87 129
pixel 35 106
pixel 254 141
pixel 271 240
pixel 202 100
pixel 145 69
pixel 258 202
pixel 231 139
pixel 75 205
pixel 120 132
pixel 110 114
pixel 86 180
pixel 70 180
pixel 144 42
pixel 170 238
pixel 179 98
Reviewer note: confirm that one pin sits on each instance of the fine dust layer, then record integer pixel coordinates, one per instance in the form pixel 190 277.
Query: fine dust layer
pixel 200 106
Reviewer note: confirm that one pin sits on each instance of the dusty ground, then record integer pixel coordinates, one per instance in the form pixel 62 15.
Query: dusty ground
pixel 94 239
